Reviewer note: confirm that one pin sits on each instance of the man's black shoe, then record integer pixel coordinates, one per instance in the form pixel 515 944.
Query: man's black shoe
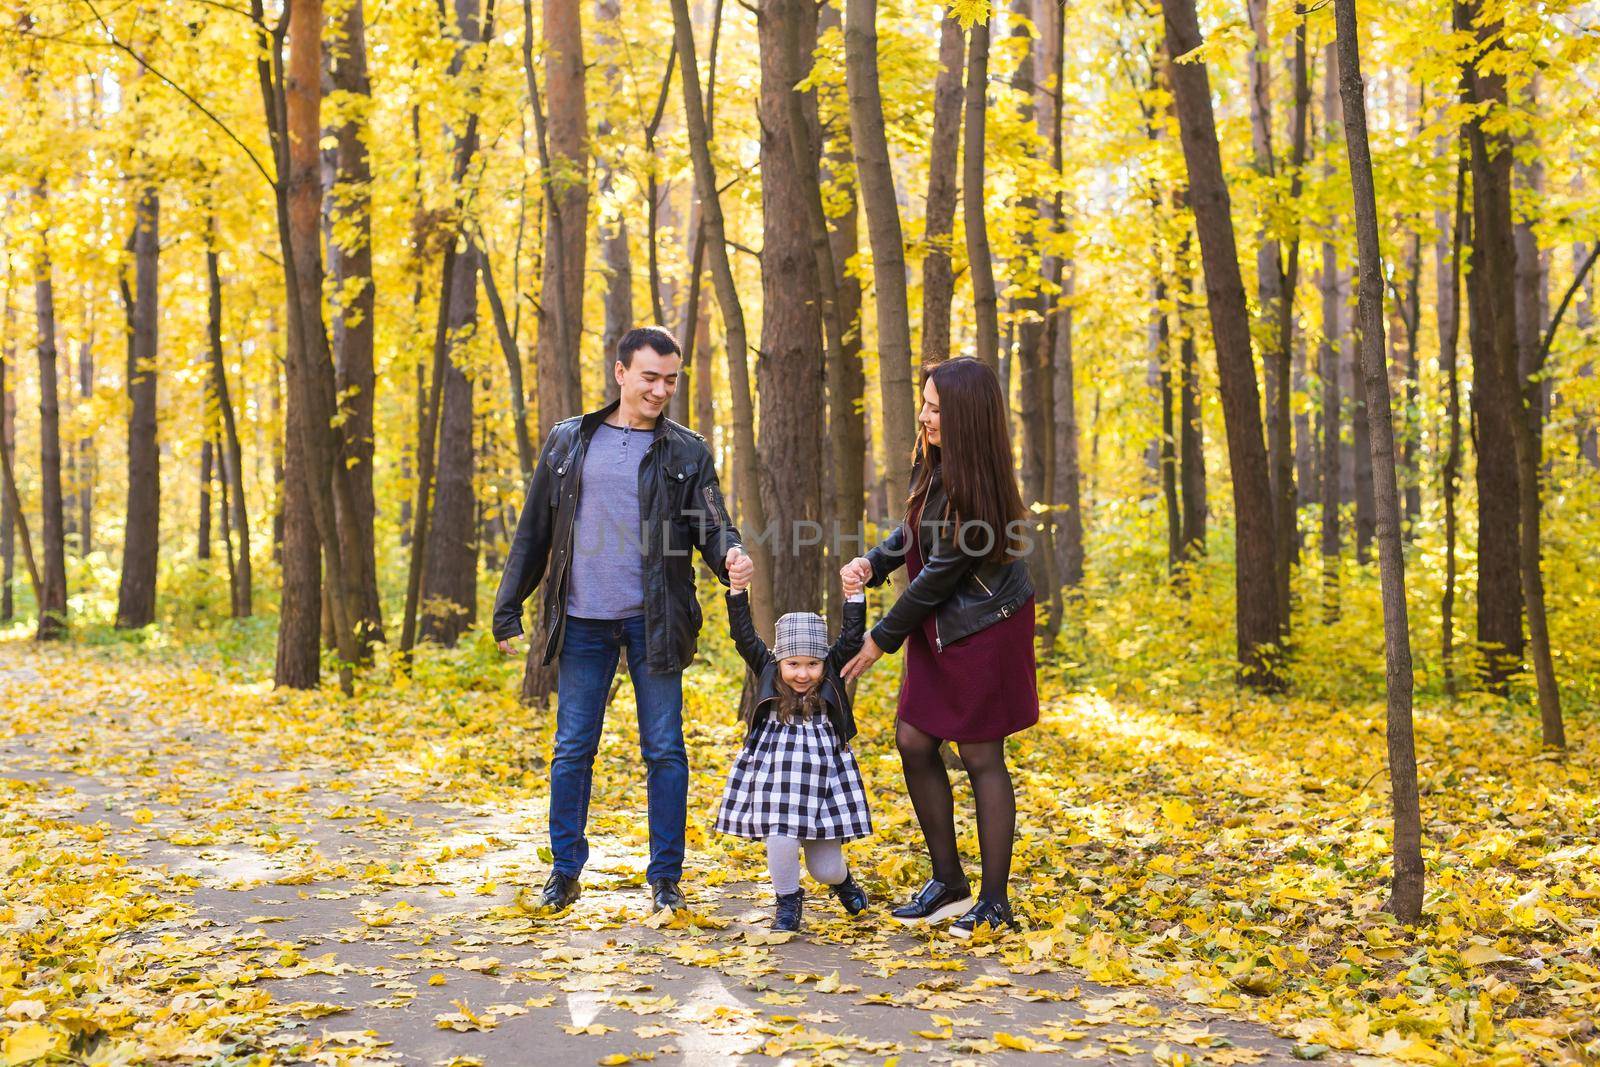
pixel 994 914
pixel 560 890
pixel 664 893
pixel 787 915
pixel 851 895
pixel 934 903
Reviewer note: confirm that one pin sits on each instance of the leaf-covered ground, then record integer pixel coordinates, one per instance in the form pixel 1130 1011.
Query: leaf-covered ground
pixel 199 869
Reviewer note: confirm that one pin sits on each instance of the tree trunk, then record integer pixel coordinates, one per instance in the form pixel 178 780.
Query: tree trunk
pixel 231 454
pixel 354 312
pixel 18 521
pixel 53 591
pixel 1529 437
pixel 1366 506
pixel 88 464
pixel 1035 378
pixel 746 480
pixel 1276 295
pixel 1405 900
pixel 1068 490
pixel 1448 255
pixel 560 379
pixel 321 482
pixel 614 251
pixel 513 357
pixel 1583 319
pixel 1496 400
pixel 1332 452
pixel 985 304
pixel 1191 428
pixel 846 376
pixel 789 370
pixel 875 173
pixel 136 594
pixel 8 440
pixel 1258 615
pixel 203 534
pixel 450 560
pixel 1162 338
pixel 938 278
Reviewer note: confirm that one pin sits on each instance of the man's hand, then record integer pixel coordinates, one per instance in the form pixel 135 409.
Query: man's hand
pixel 857 572
pixel 506 646
pixel 870 653
pixel 741 568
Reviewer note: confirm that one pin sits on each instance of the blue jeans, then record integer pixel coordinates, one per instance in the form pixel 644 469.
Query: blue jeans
pixel 588 662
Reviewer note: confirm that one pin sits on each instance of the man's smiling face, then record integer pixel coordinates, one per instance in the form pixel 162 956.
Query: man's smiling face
pixel 648 382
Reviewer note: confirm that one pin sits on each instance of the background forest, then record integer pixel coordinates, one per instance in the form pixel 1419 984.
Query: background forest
pixel 292 293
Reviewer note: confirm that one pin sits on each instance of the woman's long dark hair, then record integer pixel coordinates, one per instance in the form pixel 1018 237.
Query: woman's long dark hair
pixel 975 458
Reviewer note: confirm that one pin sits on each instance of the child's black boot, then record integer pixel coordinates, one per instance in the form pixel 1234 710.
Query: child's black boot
pixel 851 895
pixel 787 916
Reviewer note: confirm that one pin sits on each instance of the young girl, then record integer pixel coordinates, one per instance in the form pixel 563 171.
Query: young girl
pixel 795 782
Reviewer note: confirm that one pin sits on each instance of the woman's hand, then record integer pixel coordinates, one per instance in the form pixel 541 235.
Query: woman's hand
pixel 856 573
pixel 870 653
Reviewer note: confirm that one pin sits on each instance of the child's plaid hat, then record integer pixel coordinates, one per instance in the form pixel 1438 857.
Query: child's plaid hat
pixel 802 633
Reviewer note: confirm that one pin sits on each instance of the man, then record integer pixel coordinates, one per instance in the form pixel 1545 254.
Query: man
pixel 619 500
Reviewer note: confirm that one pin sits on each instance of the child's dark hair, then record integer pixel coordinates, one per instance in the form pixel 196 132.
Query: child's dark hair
pixel 797 707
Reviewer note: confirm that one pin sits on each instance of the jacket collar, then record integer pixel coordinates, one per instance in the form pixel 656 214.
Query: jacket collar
pixel 592 419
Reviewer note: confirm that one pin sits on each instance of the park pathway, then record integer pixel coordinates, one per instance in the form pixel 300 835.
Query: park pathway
pixel 387 928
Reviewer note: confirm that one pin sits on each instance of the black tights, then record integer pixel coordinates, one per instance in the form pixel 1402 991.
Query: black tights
pixel 929 786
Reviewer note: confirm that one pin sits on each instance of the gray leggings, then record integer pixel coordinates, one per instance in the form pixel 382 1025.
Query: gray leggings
pixel 824 859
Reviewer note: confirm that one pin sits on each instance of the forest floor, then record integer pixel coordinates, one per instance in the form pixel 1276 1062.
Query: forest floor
pixel 198 868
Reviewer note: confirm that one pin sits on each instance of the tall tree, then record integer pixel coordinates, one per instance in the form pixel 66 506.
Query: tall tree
pixel 1275 291
pixel 141 544
pixel 1034 82
pixel 1257 614
pixel 450 563
pixel 1448 255
pixel 846 384
pixel 232 451
pixel 1496 400
pixel 8 437
pixel 875 173
pixel 567 144
pixel 980 266
pixel 788 372
pixel 354 309
pixel 53 591
pixel 1191 428
pixel 938 218
pixel 746 470
pixel 614 251
pixel 1406 885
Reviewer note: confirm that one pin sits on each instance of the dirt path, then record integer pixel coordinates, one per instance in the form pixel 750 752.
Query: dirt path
pixel 388 929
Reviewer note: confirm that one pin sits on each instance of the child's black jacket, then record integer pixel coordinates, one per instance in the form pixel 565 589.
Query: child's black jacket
pixel 765 666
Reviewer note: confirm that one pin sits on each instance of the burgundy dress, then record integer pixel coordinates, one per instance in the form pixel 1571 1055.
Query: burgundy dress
pixel 980 688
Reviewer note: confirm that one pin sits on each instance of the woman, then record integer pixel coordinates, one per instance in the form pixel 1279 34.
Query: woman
pixel 966 620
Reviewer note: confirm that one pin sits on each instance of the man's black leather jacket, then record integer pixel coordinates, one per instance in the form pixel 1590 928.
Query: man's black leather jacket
pixel 964 591
pixel 765 667
pixel 680 509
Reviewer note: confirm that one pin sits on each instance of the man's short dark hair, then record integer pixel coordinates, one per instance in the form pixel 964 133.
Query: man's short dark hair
pixel 656 337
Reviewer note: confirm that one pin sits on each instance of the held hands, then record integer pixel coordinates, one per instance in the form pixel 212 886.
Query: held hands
pixel 855 575
pixel 741 568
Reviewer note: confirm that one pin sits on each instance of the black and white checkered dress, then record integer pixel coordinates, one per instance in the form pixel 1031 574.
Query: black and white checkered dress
pixel 795 780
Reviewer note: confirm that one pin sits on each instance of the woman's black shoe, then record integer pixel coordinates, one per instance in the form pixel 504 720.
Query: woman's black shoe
pixel 984 913
pixel 935 903
pixel 851 895
pixel 787 916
